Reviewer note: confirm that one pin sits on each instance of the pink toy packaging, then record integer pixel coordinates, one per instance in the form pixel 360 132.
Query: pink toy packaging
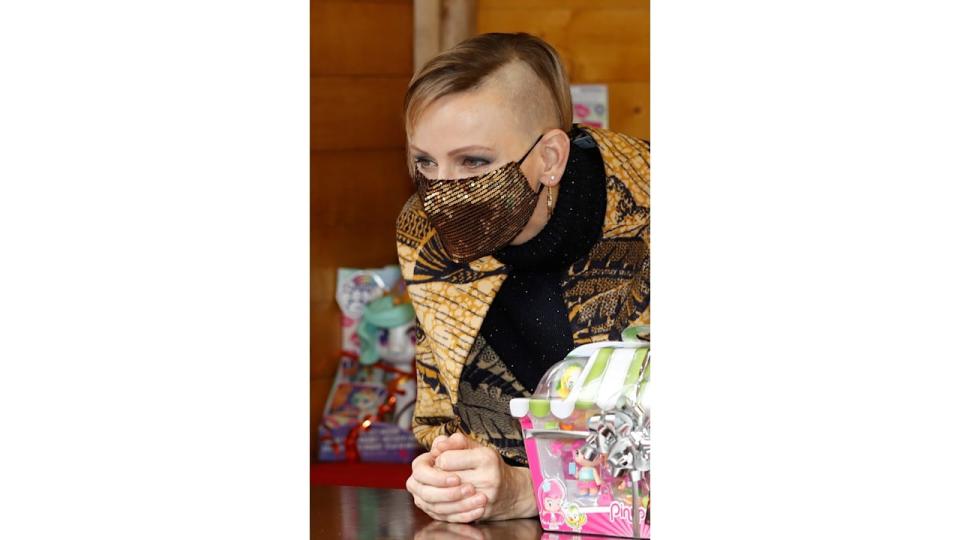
pixel 586 430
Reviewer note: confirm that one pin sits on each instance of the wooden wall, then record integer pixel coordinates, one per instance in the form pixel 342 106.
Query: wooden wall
pixel 604 41
pixel 361 59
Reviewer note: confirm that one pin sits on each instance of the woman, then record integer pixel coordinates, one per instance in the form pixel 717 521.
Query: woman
pixel 528 236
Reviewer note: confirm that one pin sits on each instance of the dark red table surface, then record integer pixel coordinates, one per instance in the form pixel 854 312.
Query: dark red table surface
pixel 361 513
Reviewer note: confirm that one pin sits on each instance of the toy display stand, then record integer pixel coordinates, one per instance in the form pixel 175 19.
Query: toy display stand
pixel 586 432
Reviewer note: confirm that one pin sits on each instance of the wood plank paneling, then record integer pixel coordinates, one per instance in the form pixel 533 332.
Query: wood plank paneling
pixel 404 2
pixel 608 25
pixel 600 43
pixel 356 112
pixel 361 38
pixel 372 245
pixel 549 24
pixel 547 4
pixel 353 187
pixel 458 21
pixel 630 108
pixel 426 20
pixel 609 63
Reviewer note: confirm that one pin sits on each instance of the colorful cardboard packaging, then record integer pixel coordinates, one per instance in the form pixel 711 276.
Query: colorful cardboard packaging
pixel 587 435
pixel 369 409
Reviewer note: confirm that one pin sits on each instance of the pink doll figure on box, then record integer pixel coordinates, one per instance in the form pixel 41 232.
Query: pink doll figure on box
pixel 588 474
pixel 552 494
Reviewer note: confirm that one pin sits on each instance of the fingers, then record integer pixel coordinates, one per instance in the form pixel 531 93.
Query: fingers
pixel 433 446
pixel 464 516
pixel 457 441
pixel 426 474
pixel 459 438
pixel 443 443
pixel 434 495
pixel 459 460
pixel 472 458
pixel 478 500
pixel 422 459
pixel 460 504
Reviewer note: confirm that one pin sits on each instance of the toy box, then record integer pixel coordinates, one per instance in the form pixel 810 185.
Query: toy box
pixel 369 410
pixel 587 434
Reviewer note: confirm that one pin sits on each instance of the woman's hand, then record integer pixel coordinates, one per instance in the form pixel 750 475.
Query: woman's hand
pixel 440 494
pixel 508 490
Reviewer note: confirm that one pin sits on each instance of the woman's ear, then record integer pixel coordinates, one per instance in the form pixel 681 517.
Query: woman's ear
pixel 555 149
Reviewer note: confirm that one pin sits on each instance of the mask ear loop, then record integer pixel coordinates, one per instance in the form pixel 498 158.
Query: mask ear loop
pixel 530 150
pixel 535 143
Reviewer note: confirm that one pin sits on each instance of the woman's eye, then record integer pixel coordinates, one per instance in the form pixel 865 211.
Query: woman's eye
pixel 422 163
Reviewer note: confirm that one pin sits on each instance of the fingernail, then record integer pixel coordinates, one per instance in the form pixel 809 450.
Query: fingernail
pixel 466 490
pixel 451 480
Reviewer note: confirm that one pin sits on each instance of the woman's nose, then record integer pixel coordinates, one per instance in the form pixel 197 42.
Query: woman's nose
pixel 447 170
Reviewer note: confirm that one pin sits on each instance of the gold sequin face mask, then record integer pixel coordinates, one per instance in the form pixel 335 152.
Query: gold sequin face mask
pixel 478 215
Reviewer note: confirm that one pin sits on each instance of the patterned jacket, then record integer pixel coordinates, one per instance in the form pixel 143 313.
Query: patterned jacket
pixel 605 292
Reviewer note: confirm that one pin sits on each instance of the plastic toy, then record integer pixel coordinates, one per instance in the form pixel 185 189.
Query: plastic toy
pixel 587 435
pixel 388 341
pixel 368 414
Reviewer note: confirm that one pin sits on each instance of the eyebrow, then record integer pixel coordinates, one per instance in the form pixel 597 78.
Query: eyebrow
pixel 456 151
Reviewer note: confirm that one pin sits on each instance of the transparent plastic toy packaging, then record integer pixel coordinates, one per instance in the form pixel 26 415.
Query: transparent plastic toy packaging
pixel 586 430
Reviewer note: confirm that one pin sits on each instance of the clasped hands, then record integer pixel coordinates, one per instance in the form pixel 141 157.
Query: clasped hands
pixel 460 481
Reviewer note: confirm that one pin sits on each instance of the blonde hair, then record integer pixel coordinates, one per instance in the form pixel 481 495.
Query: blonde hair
pixel 467 65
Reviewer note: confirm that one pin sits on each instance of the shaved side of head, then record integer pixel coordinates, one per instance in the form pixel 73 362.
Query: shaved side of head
pixel 527 96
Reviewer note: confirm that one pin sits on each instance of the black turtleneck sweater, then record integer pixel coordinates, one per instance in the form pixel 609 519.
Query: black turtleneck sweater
pixel 528 324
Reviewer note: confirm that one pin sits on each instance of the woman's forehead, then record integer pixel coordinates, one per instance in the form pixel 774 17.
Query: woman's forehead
pixel 480 117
